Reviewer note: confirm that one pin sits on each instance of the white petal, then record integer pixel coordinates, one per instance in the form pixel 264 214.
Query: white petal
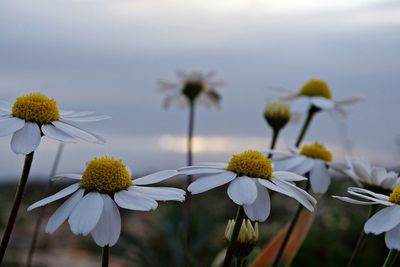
pixel 9 125
pixel 384 220
pixel 259 210
pixel 27 139
pixel 242 190
pixel 75 114
pixel 297 193
pixel 362 172
pixel 78 133
pixel 366 194
pixel 378 174
pixel 63 193
pixel 86 214
pixel 50 131
pixel 208 182
pixel 354 201
pixel 270 185
pixel 73 176
pixel 6 106
pixel 305 167
pixel 214 164
pixel 155 177
pixel 288 163
pixel 85 119
pixel 194 171
pixel 108 228
pixel 322 102
pixel 392 238
pixel 319 177
pixel 288 176
pixel 63 212
pixel 134 201
pixel 160 193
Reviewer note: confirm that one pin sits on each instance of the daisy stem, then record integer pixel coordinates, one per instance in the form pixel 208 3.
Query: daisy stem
pixel 361 239
pixel 289 231
pixel 43 209
pixel 17 202
pixel 187 203
pixel 307 122
pixel 235 233
pixel 391 258
pixel 105 256
pixel 275 135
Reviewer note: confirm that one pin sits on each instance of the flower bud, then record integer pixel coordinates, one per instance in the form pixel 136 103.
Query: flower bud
pixel 277 114
pixel 246 240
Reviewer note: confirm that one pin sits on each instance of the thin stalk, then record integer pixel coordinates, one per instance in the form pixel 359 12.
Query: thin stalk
pixel 361 239
pixel 187 203
pixel 391 258
pixel 105 256
pixel 235 233
pixel 289 231
pixel 17 202
pixel 275 135
pixel 42 212
pixel 307 122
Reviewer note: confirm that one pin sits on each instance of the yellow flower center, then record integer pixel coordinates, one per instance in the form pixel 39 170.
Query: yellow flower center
pixel 192 88
pixel 252 164
pixel 36 107
pixel 106 175
pixel 394 197
pixel 316 151
pixel 316 88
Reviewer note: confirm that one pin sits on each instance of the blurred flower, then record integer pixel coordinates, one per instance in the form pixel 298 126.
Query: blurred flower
pixel 192 87
pixel 246 240
pixel 106 183
pixel 370 177
pixel 34 115
pixel 310 158
pixel 386 220
pixel 249 175
pixel 277 114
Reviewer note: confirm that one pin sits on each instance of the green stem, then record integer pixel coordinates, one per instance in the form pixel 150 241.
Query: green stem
pixel 17 202
pixel 391 258
pixel 313 109
pixel 235 233
pixel 105 256
pixel 361 239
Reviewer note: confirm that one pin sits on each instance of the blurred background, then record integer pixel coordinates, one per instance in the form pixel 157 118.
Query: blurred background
pixel 106 56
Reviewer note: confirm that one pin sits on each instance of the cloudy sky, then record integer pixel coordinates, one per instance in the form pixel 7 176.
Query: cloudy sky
pixel 107 56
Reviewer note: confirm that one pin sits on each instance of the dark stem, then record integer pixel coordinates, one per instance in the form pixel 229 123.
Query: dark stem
pixel 361 239
pixel 235 233
pixel 42 212
pixel 187 203
pixel 17 202
pixel 391 258
pixel 275 135
pixel 105 256
pixel 289 231
pixel 307 122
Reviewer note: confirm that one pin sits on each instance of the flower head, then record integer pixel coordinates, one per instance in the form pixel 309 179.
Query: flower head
pixel 316 151
pixel 277 114
pixel 316 87
pixel 35 115
pixel 249 175
pixel 246 240
pixel 104 186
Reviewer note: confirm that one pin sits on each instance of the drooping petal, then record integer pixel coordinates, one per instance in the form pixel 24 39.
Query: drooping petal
pixel 208 182
pixel 9 125
pixel 297 193
pixel 78 133
pixel 64 211
pixel 259 210
pixel 384 220
pixel 288 176
pixel 73 176
pixel 155 177
pixel 50 131
pixel 160 193
pixel 63 193
pixel 26 139
pixel 242 190
pixel 86 214
pixel 354 201
pixel 319 177
pixel 392 238
pixel 108 228
pixel 85 118
pixel 134 201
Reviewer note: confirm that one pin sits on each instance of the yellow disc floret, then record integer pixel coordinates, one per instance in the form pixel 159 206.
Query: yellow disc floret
pixel 36 107
pixel 316 151
pixel 316 88
pixel 394 197
pixel 251 163
pixel 106 175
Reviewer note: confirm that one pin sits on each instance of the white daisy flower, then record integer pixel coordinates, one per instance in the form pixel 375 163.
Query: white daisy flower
pixel 249 175
pixel 34 115
pixel 318 94
pixel 374 178
pixel 106 184
pixel 194 86
pixel 310 158
pixel 387 220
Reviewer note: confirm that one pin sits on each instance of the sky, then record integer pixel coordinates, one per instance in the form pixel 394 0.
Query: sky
pixel 106 56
